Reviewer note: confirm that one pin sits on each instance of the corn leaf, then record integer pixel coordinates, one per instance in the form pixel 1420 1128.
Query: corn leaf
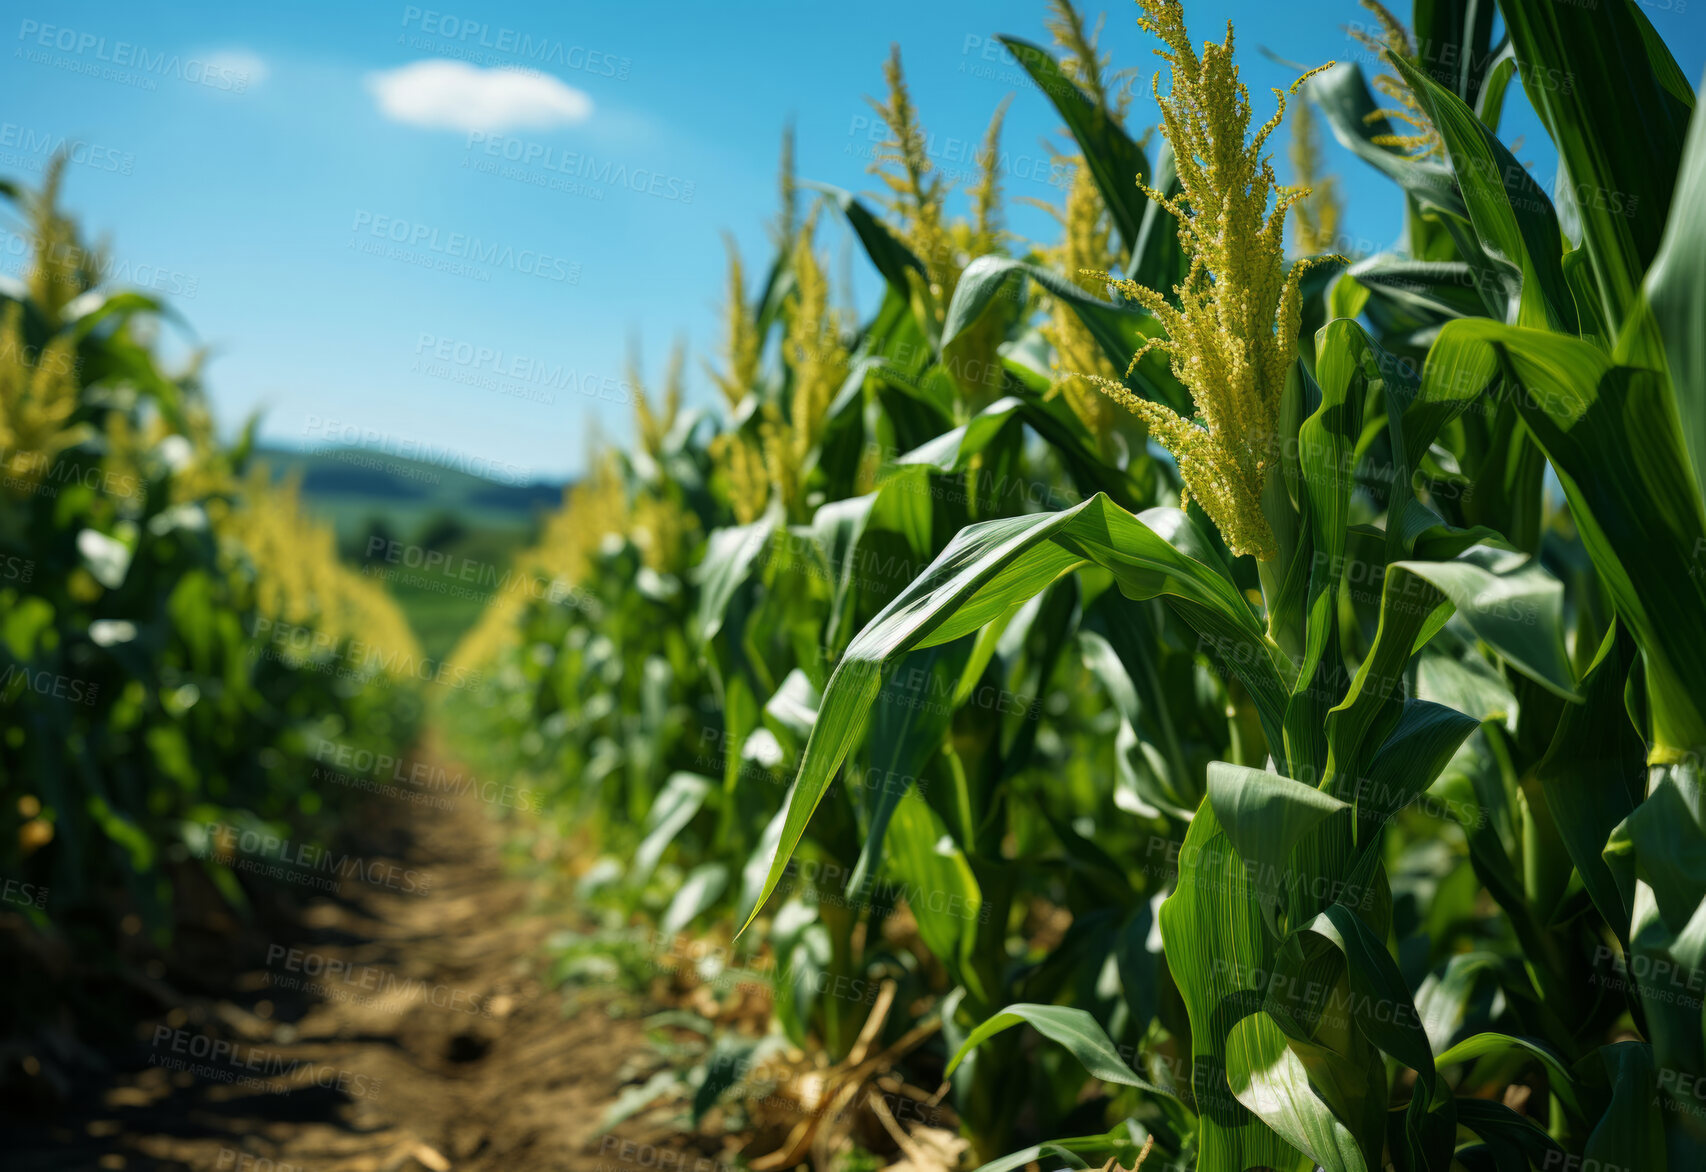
pixel 1617 107
pixel 991 568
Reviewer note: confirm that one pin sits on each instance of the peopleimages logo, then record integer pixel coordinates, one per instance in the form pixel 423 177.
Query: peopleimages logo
pixel 18 679
pixel 32 146
pixel 65 258
pixel 340 433
pixel 411 236
pixel 458 36
pixel 543 158
pixel 218 1060
pixel 355 659
pixel 23 894
pixel 325 975
pixel 495 369
pixel 122 61
pixel 281 858
pixel 434 779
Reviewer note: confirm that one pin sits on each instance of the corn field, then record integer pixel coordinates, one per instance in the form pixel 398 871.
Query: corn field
pixel 177 635
pixel 1170 697
pixel 1188 695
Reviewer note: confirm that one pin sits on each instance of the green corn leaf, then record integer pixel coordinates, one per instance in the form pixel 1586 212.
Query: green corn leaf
pixel 730 559
pixel 992 568
pixel 1412 611
pixel 697 893
pixel 1617 107
pixel 839 529
pixel 1447 996
pixel 1459 36
pixel 1655 854
pixel 1562 1083
pixel 956 449
pixel 1663 330
pixel 912 716
pixel 1114 160
pixel 1594 774
pixel 1513 219
pixel 1422 742
pixel 791 710
pixel 1220 951
pixel 1081 1034
pixel 1511 602
pixel 1342 95
pixel 1385 1014
pixel 1066 1150
pixel 680 799
pixel 1120 329
pixel 1434 288
pixel 1517 1143
pixel 1630 1131
pixel 943 894
pixel 1265 816
pixel 1611 435
pixel 891 258
pixel 1119 644
pixel 1271 1081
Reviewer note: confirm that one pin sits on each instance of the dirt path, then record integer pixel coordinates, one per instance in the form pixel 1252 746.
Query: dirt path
pixel 402 1024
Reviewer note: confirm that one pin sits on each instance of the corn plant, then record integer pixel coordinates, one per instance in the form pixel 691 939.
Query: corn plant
pixel 1360 586
pixel 149 574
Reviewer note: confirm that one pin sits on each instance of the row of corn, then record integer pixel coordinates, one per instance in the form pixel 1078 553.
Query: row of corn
pixel 1168 697
pixel 178 641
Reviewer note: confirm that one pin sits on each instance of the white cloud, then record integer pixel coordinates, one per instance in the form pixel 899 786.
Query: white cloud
pixel 453 95
pixel 240 64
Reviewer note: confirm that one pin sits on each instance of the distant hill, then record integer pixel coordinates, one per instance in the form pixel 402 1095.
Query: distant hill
pixel 472 519
pixel 350 486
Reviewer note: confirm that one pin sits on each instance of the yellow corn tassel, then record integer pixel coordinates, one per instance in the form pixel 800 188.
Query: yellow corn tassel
pixel 38 396
pixel 1082 59
pixel 1423 142
pixel 738 455
pixel 651 424
pixel 1315 218
pixel 917 193
pixel 1084 247
pixel 1232 337
pixel 818 361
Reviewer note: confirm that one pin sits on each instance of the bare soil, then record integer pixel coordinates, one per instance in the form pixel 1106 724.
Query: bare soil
pixel 368 1030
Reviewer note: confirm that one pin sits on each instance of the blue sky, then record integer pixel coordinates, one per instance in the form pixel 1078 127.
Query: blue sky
pixel 311 186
